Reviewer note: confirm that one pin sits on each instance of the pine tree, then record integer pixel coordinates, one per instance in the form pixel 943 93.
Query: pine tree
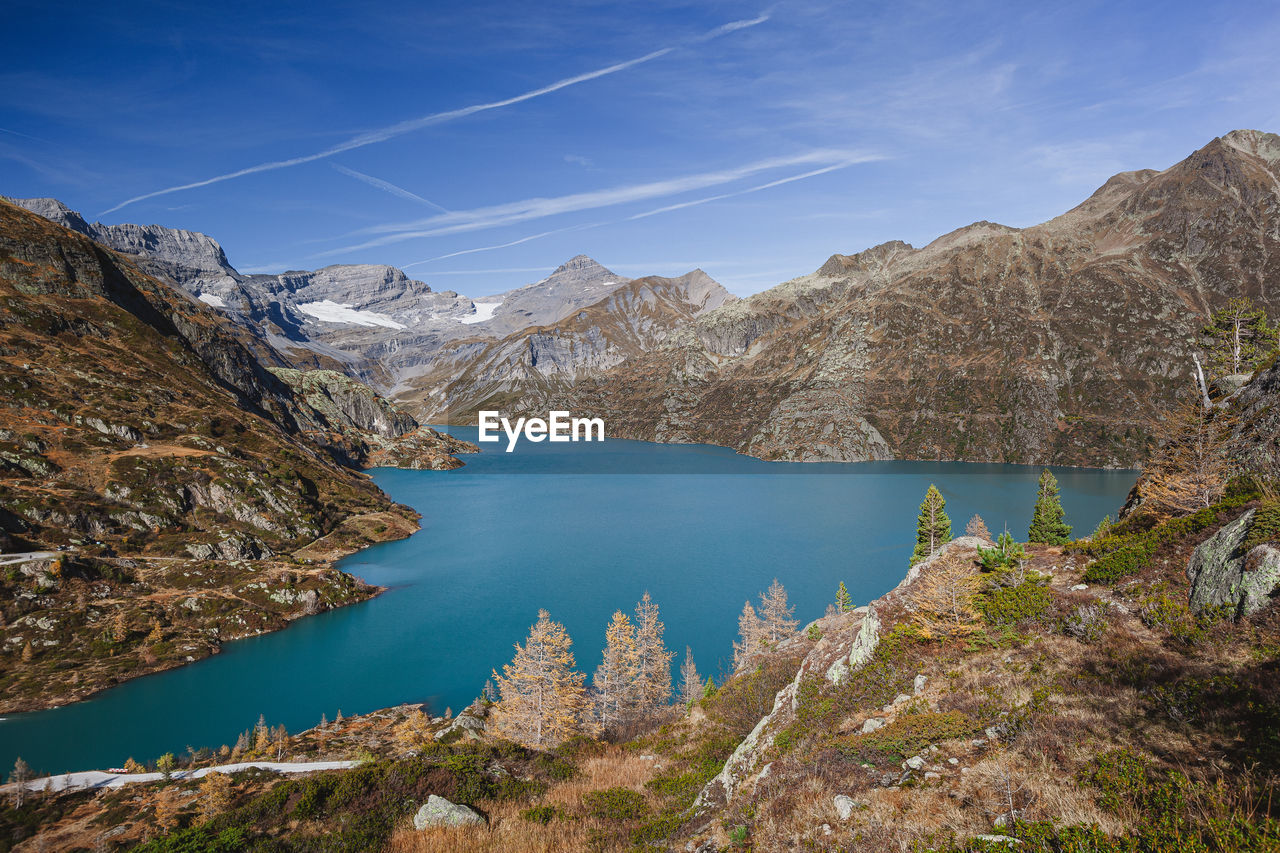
pixel 776 615
pixel 616 680
pixel 977 527
pixel 653 661
pixel 157 633
pixel 933 527
pixel 1047 521
pixel 844 601
pixel 543 701
pixel 690 681
pixel 750 634
pixel 1239 338
pixel 709 689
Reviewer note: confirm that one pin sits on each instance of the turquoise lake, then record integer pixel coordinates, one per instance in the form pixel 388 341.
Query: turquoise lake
pixel 578 529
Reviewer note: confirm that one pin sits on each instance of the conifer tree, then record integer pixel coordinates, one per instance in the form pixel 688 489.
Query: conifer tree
pixel 750 636
pixel 261 735
pixel 215 795
pixel 616 680
pixel 166 810
pixel 1103 528
pixel 977 527
pixel 653 661
pixel 690 681
pixel 165 765
pixel 933 527
pixel 542 699
pixel 844 601
pixel 1239 338
pixel 775 613
pixel 709 689
pixel 1047 521
pixel 20 776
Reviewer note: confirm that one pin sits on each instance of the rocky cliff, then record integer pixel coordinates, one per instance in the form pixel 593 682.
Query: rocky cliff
pixel 1054 343
pixel 171 478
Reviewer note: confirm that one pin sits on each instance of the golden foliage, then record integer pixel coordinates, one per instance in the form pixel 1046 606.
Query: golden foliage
pixel 943 597
pixel 543 701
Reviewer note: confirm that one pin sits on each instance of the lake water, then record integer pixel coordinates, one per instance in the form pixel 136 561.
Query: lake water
pixel 580 529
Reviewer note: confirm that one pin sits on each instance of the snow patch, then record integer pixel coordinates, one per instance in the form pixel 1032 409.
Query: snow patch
pixel 484 311
pixel 211 299
pixel 328 311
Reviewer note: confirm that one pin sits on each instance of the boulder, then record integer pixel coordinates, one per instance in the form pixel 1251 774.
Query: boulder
pixel 844 806
pixel 437 811
pixel 1222 574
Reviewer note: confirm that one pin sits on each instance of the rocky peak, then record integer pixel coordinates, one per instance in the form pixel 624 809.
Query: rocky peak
pixel 874 258
pixel 582 265
pixel 190 250
pixel 1256 143
pixel 54 211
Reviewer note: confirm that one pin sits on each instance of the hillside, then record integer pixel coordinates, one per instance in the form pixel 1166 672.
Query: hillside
pixel 163 474
pixel 1048 344
pixel 521 371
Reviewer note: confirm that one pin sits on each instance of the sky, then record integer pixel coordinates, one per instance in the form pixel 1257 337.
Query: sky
pixel 479 145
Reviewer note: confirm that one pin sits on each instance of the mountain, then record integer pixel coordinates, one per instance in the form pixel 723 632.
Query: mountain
pixel 1055 343
pixel 151 465
pixel 524 369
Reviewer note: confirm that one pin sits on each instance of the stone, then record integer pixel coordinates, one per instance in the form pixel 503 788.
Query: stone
pixel 953 761
pixel 1223 575
pixel 930 776
pixel 999 839
pixel 915 762
pixel 437 811
pixel 1080 587
pixel 872 724
pixel 844 806
pixel 920 682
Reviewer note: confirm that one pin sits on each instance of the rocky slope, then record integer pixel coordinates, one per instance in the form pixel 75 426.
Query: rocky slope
pixel 520 372
pixel 1054 343
pixel 139 433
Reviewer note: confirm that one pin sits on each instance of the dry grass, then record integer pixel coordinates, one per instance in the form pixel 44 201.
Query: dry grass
pixel 510 833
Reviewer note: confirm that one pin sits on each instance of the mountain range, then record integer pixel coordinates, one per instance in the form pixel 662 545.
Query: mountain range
pixel 1056 343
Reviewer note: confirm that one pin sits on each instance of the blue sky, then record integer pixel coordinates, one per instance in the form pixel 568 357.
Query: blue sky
pixel 479 145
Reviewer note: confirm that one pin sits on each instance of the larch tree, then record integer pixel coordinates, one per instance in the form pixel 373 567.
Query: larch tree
pixel 943 597
pixel 616 680
pixel 165 765
pixel 542 699
pixel 215 795
pixel 933 527
pixel 261 735
pixel 776 614
pixel 750 636
pixel 1048 521
pixel 20 776
pixel 1191 466
pixel 977 527
pixel 690 681
pixel 166 810
pixel 653 661
pixel 844 601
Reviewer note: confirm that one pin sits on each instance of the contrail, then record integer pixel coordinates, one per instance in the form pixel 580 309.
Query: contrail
pixel 387 186
pixel 401 128
pixel 537 208
pixel 813 173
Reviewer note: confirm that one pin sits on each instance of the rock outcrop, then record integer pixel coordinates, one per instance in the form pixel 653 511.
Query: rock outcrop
pixel 1223 574
pixel 437 811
